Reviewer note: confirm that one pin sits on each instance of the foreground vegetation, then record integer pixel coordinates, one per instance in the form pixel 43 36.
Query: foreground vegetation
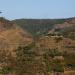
pixel 28 62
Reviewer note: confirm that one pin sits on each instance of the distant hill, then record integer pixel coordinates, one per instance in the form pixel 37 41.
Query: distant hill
pixel 42 26
pixel 38 26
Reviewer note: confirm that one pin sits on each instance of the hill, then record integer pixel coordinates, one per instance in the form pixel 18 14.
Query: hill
pixel 42 26
pixel 52 51
pixel 38 26
pixel 11 35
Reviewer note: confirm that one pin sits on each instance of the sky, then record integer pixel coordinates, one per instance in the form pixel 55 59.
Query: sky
pixel 37 9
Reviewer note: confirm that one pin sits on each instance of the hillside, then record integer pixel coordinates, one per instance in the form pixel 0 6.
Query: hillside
pixel 38 26
pixel 42 26
pixel 41 46
pixel 12 35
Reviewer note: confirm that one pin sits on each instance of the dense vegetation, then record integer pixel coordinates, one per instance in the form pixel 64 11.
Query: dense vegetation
pixel 28 62
pixel 38 26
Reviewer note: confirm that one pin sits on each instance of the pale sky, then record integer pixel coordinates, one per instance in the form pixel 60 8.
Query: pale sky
pixel 45 9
